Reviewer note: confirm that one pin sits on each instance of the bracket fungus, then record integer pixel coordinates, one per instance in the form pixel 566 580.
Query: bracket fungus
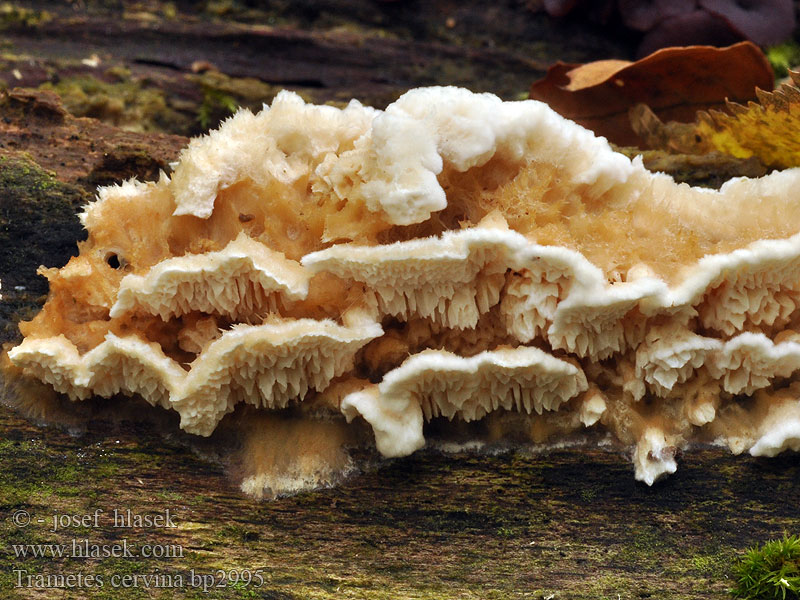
pixel 452 258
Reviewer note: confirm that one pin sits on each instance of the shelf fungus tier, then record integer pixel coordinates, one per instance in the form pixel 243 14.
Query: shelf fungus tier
pixel 453 258
pixel 438 383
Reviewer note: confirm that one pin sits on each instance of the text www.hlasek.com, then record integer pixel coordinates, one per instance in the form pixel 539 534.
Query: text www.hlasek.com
pixel 84 549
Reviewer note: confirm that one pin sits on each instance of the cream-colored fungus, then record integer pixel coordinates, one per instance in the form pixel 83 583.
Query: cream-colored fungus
pixel 451 257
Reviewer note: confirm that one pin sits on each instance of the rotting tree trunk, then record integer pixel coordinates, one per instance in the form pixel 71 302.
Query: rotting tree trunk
pixel 562 524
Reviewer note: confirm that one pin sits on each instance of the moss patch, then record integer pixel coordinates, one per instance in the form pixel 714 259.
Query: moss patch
pixel 38 223
pixel 122 101
pixel 13 16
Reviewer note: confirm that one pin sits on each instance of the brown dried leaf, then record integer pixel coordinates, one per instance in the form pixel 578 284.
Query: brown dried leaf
pixel 675 137
pixel 674 82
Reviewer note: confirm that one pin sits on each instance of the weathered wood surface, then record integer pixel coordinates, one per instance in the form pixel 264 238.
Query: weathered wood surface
pixel 50 165
pixel 567 524
pixel 563 525
pixel 166 58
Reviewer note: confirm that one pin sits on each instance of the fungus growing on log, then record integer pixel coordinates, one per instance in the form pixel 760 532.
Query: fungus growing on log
pixel 454 257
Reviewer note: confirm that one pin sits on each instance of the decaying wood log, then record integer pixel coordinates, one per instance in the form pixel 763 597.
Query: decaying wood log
pixel 513 524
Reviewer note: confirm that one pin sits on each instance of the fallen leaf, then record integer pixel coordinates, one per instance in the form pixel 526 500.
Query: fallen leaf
pixel 675 137
pixel 768 129
pixel 674 82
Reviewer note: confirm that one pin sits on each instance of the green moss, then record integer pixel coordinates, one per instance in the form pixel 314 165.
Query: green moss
pixel 784 57
pixel 222 95
pixel 124 101
pixel 121 99
pixel 589 493
pixel 237 533
pixel 13 16
pixel 770 572
pixel 506 532
pixel 612 587
pixel 642 547
pixel 712 561
pixel 216 106
pixel 38 224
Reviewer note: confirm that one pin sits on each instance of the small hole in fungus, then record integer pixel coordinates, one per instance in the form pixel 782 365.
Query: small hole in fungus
pixel 113 261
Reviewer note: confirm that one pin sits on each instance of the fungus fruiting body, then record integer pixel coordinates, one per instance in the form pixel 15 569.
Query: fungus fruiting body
pixel 454 257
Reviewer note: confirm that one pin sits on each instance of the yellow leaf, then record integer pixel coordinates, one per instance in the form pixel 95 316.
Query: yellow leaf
pixel 768 129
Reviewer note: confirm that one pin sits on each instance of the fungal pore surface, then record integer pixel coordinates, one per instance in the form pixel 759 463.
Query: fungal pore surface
pixel 355 274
